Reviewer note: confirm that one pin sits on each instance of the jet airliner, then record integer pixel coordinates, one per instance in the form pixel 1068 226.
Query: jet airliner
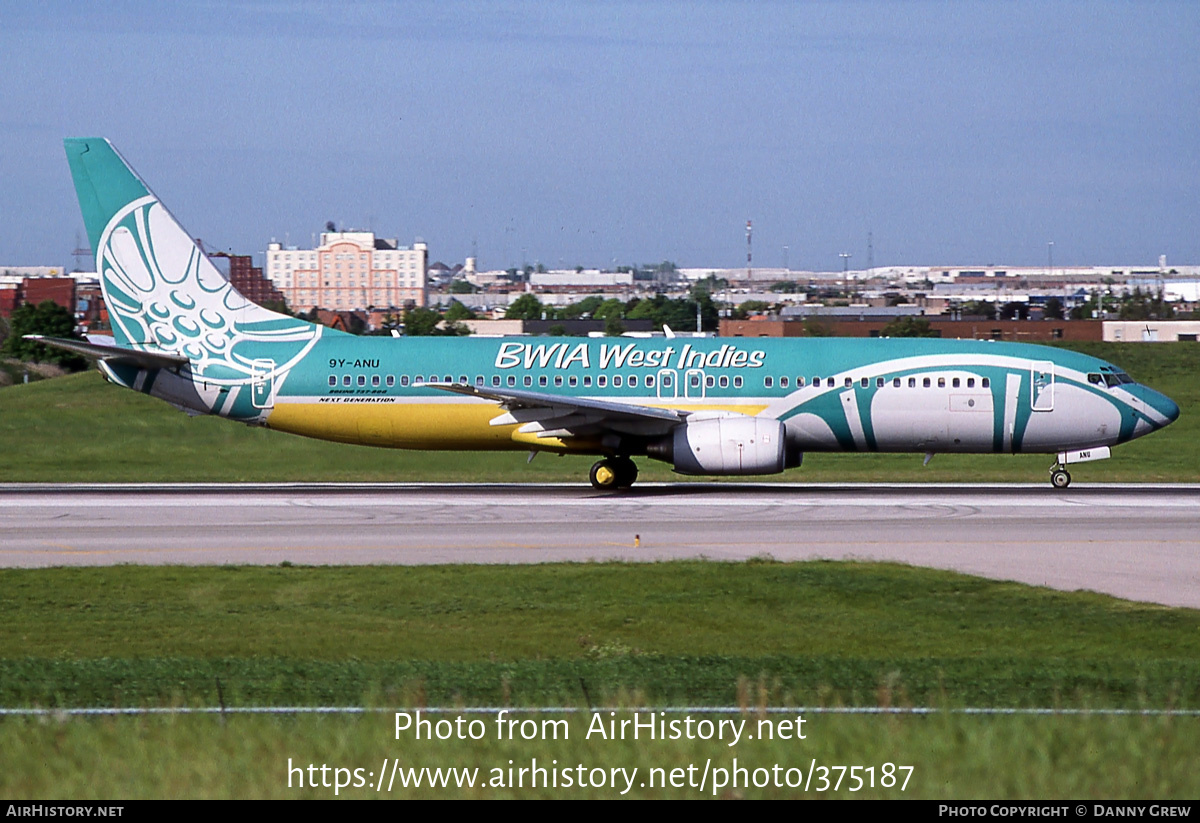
pixel 738 406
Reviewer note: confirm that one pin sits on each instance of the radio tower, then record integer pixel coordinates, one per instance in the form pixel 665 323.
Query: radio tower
pixel 749 255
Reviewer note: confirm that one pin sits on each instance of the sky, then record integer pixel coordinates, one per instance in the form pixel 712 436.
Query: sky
pixel 602 134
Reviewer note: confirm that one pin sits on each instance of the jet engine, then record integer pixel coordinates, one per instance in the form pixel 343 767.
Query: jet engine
pixel 726 445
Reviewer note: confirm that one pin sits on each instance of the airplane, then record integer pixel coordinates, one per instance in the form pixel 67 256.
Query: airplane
pixel 711 406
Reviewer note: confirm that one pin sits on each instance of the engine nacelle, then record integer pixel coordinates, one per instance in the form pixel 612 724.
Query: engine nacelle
pixel 726 445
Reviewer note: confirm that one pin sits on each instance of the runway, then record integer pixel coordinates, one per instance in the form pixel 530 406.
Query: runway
pixel 1135 542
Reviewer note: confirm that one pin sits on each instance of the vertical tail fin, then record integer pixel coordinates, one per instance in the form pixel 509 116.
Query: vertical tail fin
pixel 163 294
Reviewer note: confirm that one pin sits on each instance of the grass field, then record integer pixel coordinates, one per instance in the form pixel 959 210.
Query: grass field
pixel 610 636
pixel 942 756
pixel 685 633
pixel 78 428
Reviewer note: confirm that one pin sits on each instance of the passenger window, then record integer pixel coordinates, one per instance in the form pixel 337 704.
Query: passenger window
pixel 572 381
pixel 495 380
pixel 941 382
pixel 404 380
pixel 724 381
pixel 528 380
pixel 955 383
pixel 737 382
pixel 649 381
pixel 418 380
pixel 710 381
pixel 601 381
pixel 912 382
pixel 479 381
pixel 799 382
pixel 558 380
pixel 829 382
pixel 333 380
pixel 543 381
pixel 448 379
pixel 895 382
pixel 970 382
pixel 512 380
pixel 768 382
pixel 783 382
pixel 391 380
pixel 865 382
pixel 695 381
pixel 587 381
pixel 879 382
pixel 925 382
pixel 346 380
pixel 616 381
pixel 633 381
pixel 666 378
pixel 985 382
pixel 362 380
pixel 462 378
pixel 849 382
pixel 374 380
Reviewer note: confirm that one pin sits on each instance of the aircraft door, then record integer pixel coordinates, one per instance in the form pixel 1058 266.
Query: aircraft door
pixel 262 386
pixel 693 384
pixel 1041 386
pixel 667 390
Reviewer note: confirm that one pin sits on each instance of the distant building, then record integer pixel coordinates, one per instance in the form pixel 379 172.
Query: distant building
pixel 349 270
pixel 249 280
pixel 1024 331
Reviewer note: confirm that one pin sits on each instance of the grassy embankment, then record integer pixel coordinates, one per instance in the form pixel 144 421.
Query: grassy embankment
pixel 79 428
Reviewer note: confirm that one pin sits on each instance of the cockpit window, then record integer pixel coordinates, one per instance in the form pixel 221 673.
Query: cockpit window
pixel 1110 379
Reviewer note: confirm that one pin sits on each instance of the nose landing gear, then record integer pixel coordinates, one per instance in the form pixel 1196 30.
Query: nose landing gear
pixel 1060 478
pixel 613 473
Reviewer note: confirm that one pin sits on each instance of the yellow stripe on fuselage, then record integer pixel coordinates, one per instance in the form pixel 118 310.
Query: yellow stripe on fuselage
pixel 418 424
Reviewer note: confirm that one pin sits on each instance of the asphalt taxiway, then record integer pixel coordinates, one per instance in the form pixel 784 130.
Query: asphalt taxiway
pixel 1135 542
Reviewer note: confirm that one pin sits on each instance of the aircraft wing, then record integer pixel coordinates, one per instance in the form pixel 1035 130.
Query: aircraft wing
pixel 556 415
pixel 114 354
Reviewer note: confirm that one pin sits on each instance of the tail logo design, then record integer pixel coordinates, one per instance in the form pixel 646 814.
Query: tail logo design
pixel 165 295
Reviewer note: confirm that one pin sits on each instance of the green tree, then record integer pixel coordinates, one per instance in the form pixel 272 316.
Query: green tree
pixel 908 327
pixel 525 307
pixel 750 307
pixel 462 287
pixel 457 312
pixel 1053 309
pixel 613 327
pixel 609 308
pixel 587 305
pixel 48 319
pixel 419 322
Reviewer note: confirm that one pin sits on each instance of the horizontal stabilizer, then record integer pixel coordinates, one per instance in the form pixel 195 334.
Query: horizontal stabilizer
pixel 114 354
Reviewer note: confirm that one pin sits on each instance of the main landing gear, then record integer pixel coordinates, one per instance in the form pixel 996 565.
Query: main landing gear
pixel 613 473
pixel 1060 478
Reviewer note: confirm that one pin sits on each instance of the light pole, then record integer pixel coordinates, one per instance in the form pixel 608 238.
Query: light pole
pixel 845 270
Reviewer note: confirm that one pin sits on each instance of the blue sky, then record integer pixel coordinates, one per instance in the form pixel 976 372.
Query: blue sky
pixel 588 133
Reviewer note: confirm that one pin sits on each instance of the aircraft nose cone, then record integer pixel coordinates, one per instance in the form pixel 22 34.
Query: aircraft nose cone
pixel 1160 403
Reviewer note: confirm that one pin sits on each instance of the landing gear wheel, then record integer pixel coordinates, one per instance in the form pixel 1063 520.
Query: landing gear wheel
pixel 1060 478
pixel 613 473
pixel 626 471
pixel 604 476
